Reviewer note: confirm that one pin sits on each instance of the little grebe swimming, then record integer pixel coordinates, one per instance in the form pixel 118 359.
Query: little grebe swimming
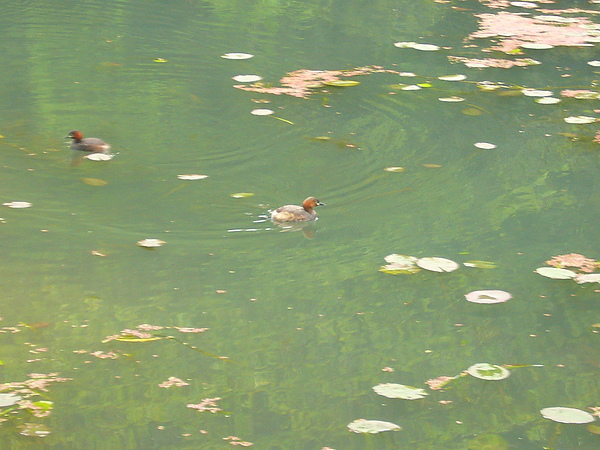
pixel 295 213
pixel 87 144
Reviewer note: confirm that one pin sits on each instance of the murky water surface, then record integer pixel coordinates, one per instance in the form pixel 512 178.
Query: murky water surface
pixel 307 321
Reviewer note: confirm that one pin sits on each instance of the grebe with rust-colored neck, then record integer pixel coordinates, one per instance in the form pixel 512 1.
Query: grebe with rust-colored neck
pixel 295 213
pixel 87 144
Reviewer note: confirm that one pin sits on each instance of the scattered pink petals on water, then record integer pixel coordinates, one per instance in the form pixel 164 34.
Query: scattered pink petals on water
pixel 488 296
pixel 104 355
pixel 173 381
pixel 234 440
pixel 574 260
pixel 493 62
pixel 207 404
pixel 439 382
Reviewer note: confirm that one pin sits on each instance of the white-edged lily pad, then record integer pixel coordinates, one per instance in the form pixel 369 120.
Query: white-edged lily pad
pixel 394 390
pixel 555 273
pixel 398 264
pixel 237 55
pixel 404 44
pixel 563 414
pixel 242 195
pixel 372 426
pixel 192 176
pixel 488 296
pixel 436 264
pixel 457 77
pixel 262 112
pixel 536 46
pixel 580 119
pixel 247 78
pixel 426 47
pixel 480 264
pixel 485 145
pixel 528 5
pixel 594 63
pixel 17 205
pixel 394 169
pixel 99 156
pixel 8 399
pixel 452 99
pixel 151 243
pixel 411 87
pixel 485 371
pixel 556 19
pixel 547 100
pixel 536 93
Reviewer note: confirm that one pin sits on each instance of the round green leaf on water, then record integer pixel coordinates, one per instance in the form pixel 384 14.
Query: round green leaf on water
pixel 485 371
pixel 555 273
pixel 242 195
pixel 342 83
pixel 566 415
pixel 394 390
pixel 372 426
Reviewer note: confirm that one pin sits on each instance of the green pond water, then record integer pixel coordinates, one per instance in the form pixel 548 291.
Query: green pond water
pixel 306 319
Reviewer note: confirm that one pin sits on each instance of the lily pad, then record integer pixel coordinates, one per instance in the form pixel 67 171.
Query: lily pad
pixel 8 399
pixel 587 278
pixel 394 169
pixel 342 83
pixel 247 78
pixel 488 296
pixel 580 119
pixel 555 273
pixel 472 111
pixel 457 77
pixel 151 243
pixel 480 264
pixel 99 157
pixel 536 93
pixel 536 46
pixel 485 145
pixel 436 264
pixel 237 55
pixel 192 176
pixel 262 112
pixel 563 414
pixel 398 264
pixel 547 100
pixel 394 390
pixel 485 371
pixel 17 205
pixel 242 195
pixel 94 181
pixel 372 426
pixel 426 47
pixel 452 99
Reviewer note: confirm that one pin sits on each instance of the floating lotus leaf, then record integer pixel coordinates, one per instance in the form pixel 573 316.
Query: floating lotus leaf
pixel 563 414
pixel 472 111
pixel 488 296
pixel 580 119
pixel 528 5
pixel 262 112
pixel 400 264
pixel 480 264
pixel 99 157
pixel 594 63
pixel 17 205
pixel 594 429
pixel 436 264
pixel 393 390
pixel 457 77
pixel 485 145
pixel 536 46
pixel 242 195
pixel 555 273
pixel 237 56
pixel 394 169
pixel 405 44
pixel 372 426
pixel 536 93
pixel 151 243
pixel 247 78
pixel 411 87
pixel 8 399
pixel 548 100
pixel 485 371
pixel 451 99
pixel 192 176
pixel 426 47
pixel 34 429
pixel 342 83
pixel 94 181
